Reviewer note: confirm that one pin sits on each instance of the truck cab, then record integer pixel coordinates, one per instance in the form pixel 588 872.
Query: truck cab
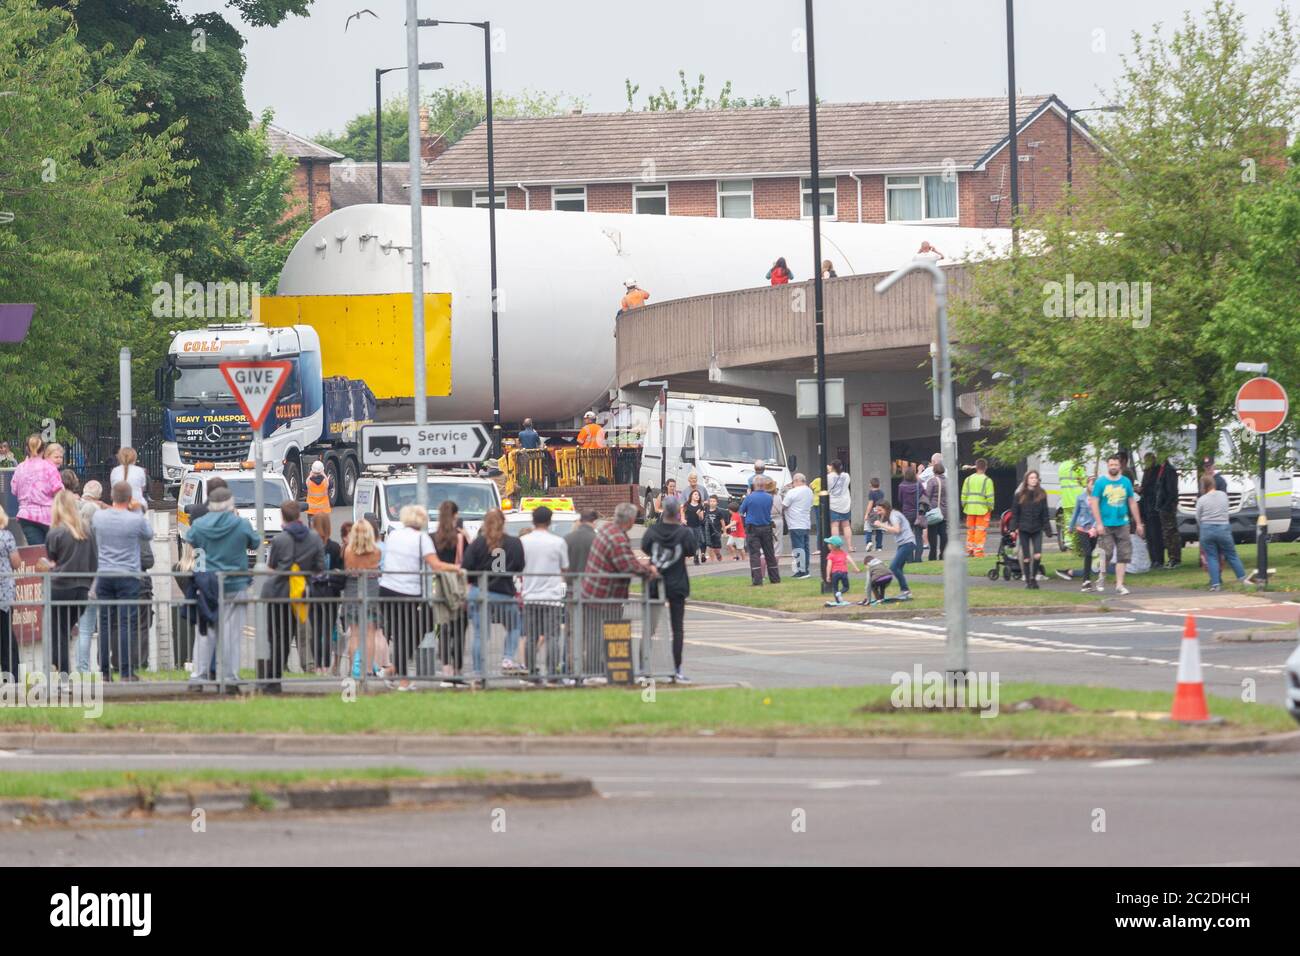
pixel 193 490
pixel 385 494
pixel 719 440
pixel 312 417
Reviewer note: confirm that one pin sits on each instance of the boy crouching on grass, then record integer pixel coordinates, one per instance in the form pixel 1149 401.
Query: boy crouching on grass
pixel 837 575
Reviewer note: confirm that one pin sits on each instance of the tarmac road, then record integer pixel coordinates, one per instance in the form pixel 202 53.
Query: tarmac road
pixel 742 811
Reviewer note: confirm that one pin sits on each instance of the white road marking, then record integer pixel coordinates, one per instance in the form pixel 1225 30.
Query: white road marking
pixel 1002 772
pixel 1123 762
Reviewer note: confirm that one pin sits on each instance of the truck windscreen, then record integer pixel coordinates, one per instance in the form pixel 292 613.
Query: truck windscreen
pixel 740 444
pixel 473 500
pixel 203 384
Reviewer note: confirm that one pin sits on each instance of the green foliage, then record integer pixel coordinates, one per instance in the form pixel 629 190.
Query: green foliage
pixel 694 97
pixel 82 171
pixel 453 112
pixel 1169 207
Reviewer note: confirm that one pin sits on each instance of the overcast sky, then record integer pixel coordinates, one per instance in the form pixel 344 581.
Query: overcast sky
pixel 315 76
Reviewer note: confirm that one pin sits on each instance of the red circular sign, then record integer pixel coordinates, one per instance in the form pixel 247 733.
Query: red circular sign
pixel 1262 405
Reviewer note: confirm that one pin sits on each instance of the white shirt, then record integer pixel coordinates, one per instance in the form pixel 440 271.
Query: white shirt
pixel 403 553
pixel 798 508
pixel 838 486
pixel 135 477
pixel 546 557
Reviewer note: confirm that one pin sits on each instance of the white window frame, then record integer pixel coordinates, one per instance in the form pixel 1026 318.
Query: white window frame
pixel 806 192
pixel 659 189
pixel 444 197
pixel 920 185
pixel 572 192
pixel 481 199
pixel 731 193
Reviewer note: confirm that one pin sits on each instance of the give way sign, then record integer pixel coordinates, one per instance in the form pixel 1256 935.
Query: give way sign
pixel 255 385
pixel 1262 405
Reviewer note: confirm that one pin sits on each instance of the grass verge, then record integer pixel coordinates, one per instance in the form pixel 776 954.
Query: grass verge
pixel 74 784
pixel 805 595
pixel 790 712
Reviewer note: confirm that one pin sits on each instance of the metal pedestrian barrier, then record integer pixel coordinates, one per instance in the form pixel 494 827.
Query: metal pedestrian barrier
pixel 222 630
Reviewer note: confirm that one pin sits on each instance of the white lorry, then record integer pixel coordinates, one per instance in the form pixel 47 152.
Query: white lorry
pixel 717 439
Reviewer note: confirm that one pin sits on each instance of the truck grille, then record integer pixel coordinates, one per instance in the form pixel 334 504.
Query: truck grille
pixel 1187 502
pixel 737 491
pixel 232 445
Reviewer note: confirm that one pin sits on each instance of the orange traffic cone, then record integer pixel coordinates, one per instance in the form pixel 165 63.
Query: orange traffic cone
pixel 1189 694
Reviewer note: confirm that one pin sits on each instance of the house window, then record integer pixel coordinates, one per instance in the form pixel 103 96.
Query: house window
pixel 736 198
pixel 920 199
pixel 481 199
pixel 827 196
pixel 456 197
pixel 650 199
pixel 569 198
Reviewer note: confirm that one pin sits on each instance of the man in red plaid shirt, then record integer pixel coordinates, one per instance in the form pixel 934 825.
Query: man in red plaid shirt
pixel 611 554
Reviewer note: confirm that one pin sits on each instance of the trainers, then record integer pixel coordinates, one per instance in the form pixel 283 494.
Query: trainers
pixel 1214 587
pixel 680 678
pixel 905 596
pixel 1120 589
pixel 1087 586
pixel 1101 587
pixel 1064 576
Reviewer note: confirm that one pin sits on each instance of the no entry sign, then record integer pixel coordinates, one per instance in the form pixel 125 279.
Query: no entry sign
pixel 1262 405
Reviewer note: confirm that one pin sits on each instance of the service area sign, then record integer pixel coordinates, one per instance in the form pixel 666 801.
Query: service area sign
pixel 1262 405
pixel 434 443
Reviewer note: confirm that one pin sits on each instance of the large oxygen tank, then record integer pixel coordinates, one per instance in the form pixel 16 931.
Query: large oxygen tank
pixel 561 276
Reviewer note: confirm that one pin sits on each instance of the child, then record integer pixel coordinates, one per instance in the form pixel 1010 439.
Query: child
pixel 837 561
pixel 715 521
pixel 874 497
pixel 736 530
pixel 878 580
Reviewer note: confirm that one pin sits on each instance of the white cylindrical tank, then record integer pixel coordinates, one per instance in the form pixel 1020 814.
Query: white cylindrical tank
pixel 561 279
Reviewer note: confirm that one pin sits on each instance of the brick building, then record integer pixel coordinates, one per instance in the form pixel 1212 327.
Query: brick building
pixel 923 161
pixel 311 174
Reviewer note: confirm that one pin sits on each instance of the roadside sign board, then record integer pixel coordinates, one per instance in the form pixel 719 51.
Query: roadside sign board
pixel 29 586
pixel 434 443
pixel 806 398
pixel 1262 405
pixel 255 385
pixel 618 652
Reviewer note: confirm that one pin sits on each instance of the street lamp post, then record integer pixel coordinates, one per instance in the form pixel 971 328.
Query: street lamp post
pixel 954 558
pixel 819 316
pixel 1011 125
pixel 379 125
pixel 486 27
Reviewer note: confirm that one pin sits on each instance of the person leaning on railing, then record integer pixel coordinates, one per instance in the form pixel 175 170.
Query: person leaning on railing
pixel 224 539
pixel 72 555
pixel 295 545
pixel 408 550
pixel 8 593
pixel 604 587
pixel 498 557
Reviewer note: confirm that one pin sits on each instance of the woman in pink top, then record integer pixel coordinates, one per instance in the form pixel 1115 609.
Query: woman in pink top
pixel 35 483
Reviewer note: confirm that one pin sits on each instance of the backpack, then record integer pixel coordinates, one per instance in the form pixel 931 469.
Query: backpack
pixel 298 593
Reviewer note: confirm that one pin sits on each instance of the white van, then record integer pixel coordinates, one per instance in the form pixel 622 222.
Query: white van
pixel 385 494
pixel 718 440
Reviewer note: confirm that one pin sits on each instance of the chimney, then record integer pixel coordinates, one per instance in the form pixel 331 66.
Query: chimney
pixel 431 147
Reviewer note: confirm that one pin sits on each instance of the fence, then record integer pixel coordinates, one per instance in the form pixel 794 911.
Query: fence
pixel 93 435
pixel 227 629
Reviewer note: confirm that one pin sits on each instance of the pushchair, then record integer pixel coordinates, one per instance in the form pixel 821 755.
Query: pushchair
pixel 1008 560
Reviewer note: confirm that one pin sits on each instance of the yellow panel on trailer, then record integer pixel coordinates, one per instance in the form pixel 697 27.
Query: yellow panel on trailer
pixel 370 337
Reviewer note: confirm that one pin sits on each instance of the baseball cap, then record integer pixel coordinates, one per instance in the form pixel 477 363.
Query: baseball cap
pixel 835 541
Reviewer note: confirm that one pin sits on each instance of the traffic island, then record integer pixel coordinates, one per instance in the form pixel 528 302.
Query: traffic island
pixel 74 795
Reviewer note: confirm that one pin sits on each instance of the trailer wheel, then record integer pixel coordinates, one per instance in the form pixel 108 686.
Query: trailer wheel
pixel 350 474
pixel 332 481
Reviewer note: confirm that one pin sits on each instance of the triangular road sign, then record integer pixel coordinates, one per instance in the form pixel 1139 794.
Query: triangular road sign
pixel 255 385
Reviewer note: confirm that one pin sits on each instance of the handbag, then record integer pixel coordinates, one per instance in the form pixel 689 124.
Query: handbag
pixel 934 516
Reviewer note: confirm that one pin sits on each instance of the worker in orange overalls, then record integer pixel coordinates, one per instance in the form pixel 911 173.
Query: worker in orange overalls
pixel 318 490
pixel 636 296
pixel 591 435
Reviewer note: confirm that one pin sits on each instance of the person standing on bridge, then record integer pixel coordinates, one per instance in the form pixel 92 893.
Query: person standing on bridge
pixel 780 273
pixel 592 435
pixel 635 297
pixel 977 503
pixel 318 490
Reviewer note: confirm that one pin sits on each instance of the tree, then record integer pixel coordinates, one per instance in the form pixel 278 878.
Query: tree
pixel 1108 320
pixel 453 112
pixel 263 225
pixel 81 175
pixel 693 97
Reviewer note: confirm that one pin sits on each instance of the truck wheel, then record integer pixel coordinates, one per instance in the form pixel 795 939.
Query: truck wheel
pixel 350 474
pixel 332 481
pixel 293 475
